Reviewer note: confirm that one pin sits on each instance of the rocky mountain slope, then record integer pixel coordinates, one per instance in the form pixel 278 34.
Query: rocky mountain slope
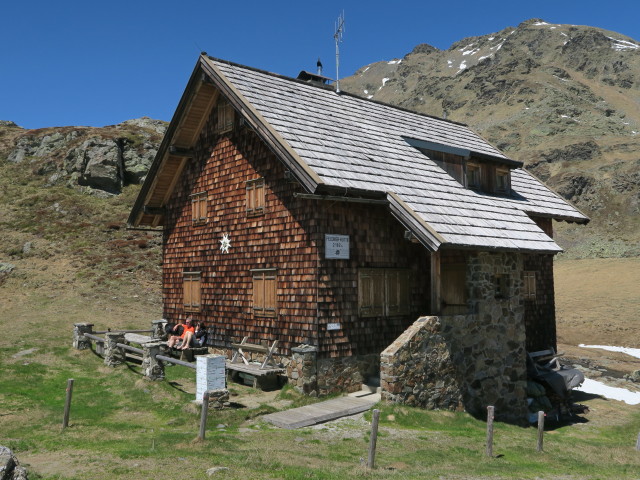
pixel 564 99
pixel 104 159
pixel 65 194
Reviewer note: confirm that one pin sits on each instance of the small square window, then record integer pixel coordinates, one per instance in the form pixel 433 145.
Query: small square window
pixel 501 282
pixel 199 208
pixel 529 287
pixel 224 116
pixel 474 179
pixel 191 291
pixel 503 181
pixel 255 197
pixel 264 293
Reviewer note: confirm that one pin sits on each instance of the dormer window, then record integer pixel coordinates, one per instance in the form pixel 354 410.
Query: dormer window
pixel 503 181
pixel 474 170
pixel 474 178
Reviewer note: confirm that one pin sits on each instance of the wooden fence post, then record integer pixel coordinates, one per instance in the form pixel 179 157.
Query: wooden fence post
pixel 540 430
pixel 374 438
pixel 67 404
pixel 490 416
pixel 203 416
pixel 638 443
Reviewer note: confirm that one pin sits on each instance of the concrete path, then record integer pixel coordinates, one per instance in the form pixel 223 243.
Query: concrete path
pixel 322 412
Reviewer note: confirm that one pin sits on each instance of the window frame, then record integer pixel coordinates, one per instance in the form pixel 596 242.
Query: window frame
pixel 476 169
pixel 225 116
pixel 501 285
pixel 265 292
pixel 192 291
pixel 529 285
pixel 384 292
pixel 255 197
pixel 199 210
pixel 506 174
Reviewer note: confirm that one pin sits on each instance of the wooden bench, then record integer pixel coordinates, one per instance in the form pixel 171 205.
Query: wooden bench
pixel 547 358
pixel 137 338
pixel 243 346
pixel 262 374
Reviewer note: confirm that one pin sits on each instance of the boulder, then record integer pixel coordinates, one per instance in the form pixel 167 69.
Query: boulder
pixel 96 163
pixel 10 468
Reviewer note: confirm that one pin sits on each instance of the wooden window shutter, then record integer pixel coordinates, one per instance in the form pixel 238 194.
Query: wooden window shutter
pixel 265 293
pixel 255 197
pixel 453 286
pixel 192 294
pixel 199 208
pixel 371 292
pixel 529 290
pixel 225 116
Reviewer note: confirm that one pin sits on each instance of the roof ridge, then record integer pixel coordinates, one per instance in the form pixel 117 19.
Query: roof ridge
pixel 330 88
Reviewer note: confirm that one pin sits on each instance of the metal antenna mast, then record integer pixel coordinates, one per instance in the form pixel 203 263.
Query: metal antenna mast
pixel 337 36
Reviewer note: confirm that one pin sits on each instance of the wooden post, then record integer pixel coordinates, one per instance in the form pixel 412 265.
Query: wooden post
pixel 436 297
pixel 638 443
pixel 203 416
pixel 374 438
pixel 540 430
pixel 67 404
pixel 490 415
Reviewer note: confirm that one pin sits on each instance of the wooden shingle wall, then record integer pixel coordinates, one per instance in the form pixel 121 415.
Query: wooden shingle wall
pixel 376 241
pixel 275 240
pixel 311 291
pixel 540 313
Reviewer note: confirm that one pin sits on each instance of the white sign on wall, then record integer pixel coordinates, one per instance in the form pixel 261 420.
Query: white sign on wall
pixel 336 246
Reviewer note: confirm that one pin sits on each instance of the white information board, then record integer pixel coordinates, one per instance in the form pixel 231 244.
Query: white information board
pixel 336 246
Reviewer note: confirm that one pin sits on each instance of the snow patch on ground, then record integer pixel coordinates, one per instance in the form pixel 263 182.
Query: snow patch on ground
pixel 463 65
pixel 622 45
pixel 450 63
pixel 634 352
pixel 537 24
pixel 394 62
pixel 613 393
pixel 384 81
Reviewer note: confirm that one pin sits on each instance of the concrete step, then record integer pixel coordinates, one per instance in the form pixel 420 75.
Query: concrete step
pixel 369 392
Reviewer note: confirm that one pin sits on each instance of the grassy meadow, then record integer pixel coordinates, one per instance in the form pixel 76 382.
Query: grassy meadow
pixel 74 262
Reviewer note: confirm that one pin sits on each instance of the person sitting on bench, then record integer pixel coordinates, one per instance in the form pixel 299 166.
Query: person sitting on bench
pixel 195 338
pixel 174 340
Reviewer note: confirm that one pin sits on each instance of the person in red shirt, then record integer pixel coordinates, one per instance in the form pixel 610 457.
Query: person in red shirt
pixel 187 333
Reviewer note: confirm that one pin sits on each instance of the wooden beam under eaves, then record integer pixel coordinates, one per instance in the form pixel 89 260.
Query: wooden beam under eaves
pixel 153 210
pixel 181 151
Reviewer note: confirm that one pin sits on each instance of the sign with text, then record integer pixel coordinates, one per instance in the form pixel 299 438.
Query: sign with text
pixel 336 246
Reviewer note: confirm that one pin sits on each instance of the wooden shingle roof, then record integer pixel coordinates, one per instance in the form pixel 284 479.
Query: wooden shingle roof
pixel 341 141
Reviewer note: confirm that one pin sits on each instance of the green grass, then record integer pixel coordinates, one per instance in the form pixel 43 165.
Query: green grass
pixel 85 267
pixel 119 420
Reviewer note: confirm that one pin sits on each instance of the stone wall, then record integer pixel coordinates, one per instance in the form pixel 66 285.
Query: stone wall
pixel 313 376
pixel 346 374
pixel 467 361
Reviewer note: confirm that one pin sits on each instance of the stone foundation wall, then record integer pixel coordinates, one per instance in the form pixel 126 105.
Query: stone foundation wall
pixel 346 374
pixel 467 361
pixel 318 377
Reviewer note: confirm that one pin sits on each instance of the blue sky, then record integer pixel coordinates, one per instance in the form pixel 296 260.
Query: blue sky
pixel 99 63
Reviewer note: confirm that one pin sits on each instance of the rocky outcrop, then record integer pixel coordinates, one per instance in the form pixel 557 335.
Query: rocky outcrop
pixel 10 468
pixel 104 159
